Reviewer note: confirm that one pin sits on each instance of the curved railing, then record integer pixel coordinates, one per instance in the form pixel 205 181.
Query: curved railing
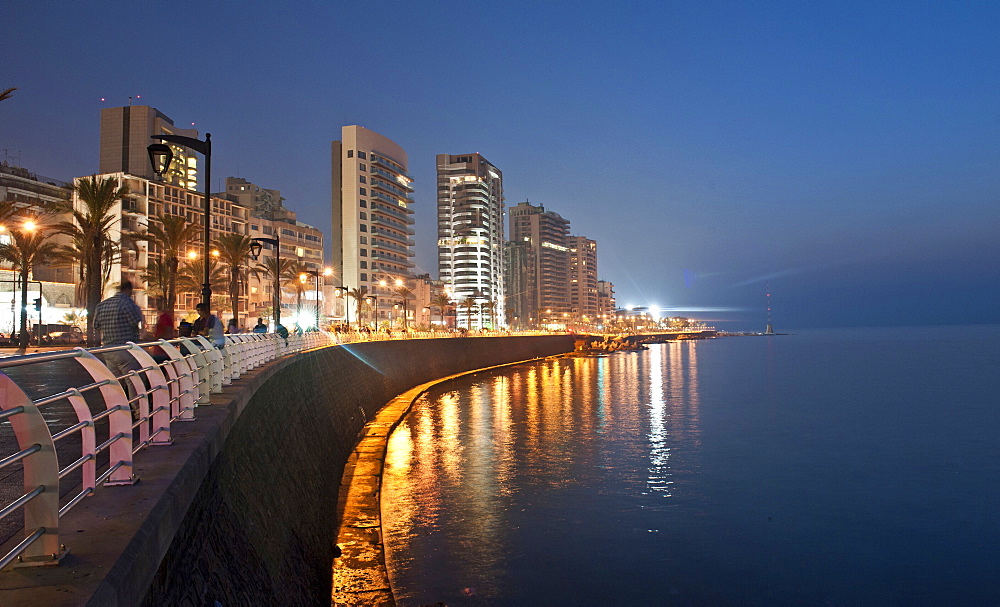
pixel 166 383
pixel 111 418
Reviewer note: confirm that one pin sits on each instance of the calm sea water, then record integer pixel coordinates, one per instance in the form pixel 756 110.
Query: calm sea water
pixel 847 467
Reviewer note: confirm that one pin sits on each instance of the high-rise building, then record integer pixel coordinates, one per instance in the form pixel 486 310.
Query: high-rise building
pixel 127 131
pixel 547 234
pixel 605 299
pixel 262 202
pixel 519 283
pixel 470 235
pixel 583 278
pixel 372 218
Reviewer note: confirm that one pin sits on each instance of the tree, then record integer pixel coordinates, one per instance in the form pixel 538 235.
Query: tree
pixel 469 303
pixel 7 94
pixel 90 231
pixel 405 294
pixel 442 303
pixel 173 235
pixel 157 276
pixel 191 276
pixel 358 295
pixel 234 250
pixel 490 307
pixel 27 248
pixel 298 276
pixel 278 271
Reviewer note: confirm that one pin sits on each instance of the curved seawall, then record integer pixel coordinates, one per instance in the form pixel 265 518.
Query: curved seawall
pixel 259 529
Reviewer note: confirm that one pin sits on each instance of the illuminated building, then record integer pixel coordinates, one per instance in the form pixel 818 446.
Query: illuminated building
pixel 470 207
pixel 372 219
pixel 606 299
pixel 583 277
pixel 547 236
pixel 125 135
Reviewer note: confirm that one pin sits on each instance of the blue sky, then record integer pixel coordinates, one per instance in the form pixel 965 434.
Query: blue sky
pixel 846 152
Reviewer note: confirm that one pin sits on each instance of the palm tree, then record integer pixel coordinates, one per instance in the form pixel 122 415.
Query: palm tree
pixel 278 270
pixel 358 295
pixel 90 231
pixel 442 303
pixel 298 275
pixel 191 277
pixel 406 294
pixel 490 307
pixel 157 276
pixel 234 249
pixel 468 303
pixel 27 248
pixel 7 94
pixel 172 235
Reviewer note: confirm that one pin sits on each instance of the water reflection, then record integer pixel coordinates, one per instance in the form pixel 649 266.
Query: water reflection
pixel 489 477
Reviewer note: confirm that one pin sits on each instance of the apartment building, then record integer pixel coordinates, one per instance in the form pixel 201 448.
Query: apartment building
pixel 547 234
pixel 470 210
pixel 583 279
pixel 372 220
pixel 148 200
pixel 606 304
pixel 127 131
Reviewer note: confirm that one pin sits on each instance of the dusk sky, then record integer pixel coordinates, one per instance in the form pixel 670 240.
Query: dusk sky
pixel 846 152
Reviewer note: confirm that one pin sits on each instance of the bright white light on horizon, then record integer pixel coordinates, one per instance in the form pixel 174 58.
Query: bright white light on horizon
pixel 654 311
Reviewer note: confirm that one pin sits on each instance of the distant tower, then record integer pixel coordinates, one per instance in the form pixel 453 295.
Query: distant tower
pixel 770 329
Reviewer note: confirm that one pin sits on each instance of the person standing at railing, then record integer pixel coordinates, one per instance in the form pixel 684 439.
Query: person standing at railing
pixel 260 327
pixel 209 325
pixel 117 319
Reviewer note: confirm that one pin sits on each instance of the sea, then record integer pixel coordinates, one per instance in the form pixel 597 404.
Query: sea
pixel 825 467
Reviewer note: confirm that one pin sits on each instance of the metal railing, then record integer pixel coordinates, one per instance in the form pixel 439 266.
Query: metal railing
pixel 163 383
pixel 113 417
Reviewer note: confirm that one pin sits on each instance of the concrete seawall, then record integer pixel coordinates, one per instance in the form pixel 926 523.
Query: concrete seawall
pixel 241 509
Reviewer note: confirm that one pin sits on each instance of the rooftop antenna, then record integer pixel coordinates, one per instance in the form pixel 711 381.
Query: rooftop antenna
pixel 770 328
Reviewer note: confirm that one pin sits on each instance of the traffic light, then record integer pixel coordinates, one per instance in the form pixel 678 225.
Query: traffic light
pixel 38 304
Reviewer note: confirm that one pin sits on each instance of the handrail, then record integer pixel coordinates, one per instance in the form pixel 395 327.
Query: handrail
pixel 155 385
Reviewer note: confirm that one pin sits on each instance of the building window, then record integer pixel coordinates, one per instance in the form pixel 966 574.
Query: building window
pixel 363 203
pixel 364 228
pixel 364 252
pixel 361 155
pixel 350 153
pixel 364 215
pixel 362 166
pixel 364 277
pixel 364 265
pixel 363 180
pixel 364 192
pixel 364 240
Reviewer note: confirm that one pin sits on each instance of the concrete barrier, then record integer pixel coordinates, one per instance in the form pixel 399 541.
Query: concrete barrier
pixel 242 509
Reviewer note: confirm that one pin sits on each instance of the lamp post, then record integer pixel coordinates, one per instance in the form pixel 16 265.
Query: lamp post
pixel 160 156
pixel 373 301
pixel 339 292
pixel 315 274
pixel 256 246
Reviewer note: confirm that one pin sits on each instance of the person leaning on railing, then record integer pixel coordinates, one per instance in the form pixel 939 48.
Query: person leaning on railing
pixel 117 318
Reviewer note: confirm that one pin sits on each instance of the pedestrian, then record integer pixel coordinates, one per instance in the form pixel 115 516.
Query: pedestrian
pixel 282 332
pixel 209 325
pixel 164 329
pixel 184 328
pixel 117 319
pixel 233 327
pixel 260 327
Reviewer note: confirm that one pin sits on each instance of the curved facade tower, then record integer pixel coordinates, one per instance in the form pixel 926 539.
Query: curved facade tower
pixel 470 207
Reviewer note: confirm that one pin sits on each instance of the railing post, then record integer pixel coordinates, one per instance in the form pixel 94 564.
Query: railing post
pixel 181 371
pixel 41 469
pixel 158 398
pixel 119 420
pixel 217 366
pixel 202 369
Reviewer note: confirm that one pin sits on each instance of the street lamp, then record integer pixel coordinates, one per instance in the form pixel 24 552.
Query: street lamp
pixel 342 291
pixel 160 156
pixel 373 301
pixel 315 274
pixel 256 246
